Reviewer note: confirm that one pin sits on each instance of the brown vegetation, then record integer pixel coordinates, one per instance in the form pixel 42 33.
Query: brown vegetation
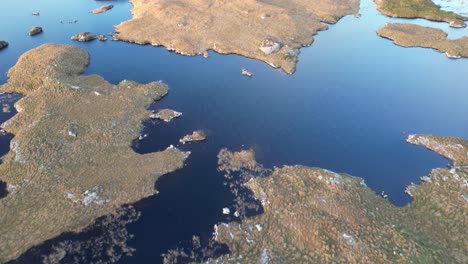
pixel 71 160
pixel 269 30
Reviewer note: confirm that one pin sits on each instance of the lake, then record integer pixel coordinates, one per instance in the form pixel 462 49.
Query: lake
pixel 348 108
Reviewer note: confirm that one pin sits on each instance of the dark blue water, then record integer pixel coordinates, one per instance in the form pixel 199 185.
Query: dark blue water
pixel 347 108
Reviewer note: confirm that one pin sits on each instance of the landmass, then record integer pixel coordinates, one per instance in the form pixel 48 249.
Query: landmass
pixel 419 9
pixel 71 159
pixel 102 9
pixel 313 215
pixel 410 35
pixel 272 31
pixel 3 44
pixel 166 115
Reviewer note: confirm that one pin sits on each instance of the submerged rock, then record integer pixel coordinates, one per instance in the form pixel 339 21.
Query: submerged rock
pixel 35 30
pixel 246 72
pixel 35 13
pixel 166 115
pixel 3 44
pixel 102 9
pixel 197 135
pixel 83 37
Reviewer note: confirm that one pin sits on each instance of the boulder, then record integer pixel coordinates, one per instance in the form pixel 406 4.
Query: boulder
pixel 35 30
pixel 84 36
pixel 3 44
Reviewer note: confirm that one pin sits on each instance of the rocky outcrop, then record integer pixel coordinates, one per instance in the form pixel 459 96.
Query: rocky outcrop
pixel 246 72
pixel 84 37
pixel 197 135
pixel 457 23
pixel 166 115
pixel 35 31
pixel 3 44
pixel 102 9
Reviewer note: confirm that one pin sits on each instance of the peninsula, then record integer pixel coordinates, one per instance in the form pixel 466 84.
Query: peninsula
pixel 312 215
pixel 272 31
pixel 71 159
pixel 419 9
pixel 410 35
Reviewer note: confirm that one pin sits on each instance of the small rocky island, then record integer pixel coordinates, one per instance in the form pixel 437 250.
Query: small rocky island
pixel 197 135
pixel 166 115
pixel 71 160
pixel 84 37
pixel 270 31
pixel 410 35
pixel 35 31
pixel 3 44
pixel 313 215
pixel 102 9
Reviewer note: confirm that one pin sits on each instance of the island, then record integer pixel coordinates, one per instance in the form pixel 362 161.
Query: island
pixel 71 159
pixel 35 31
pixel 313 215
pixel 419 9
pixel 102 9
pixel 271 31
pixel 410 35
pixel 166 115
pixel 197 135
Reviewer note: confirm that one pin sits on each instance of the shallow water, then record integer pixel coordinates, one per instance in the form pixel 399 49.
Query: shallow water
pixel 347 108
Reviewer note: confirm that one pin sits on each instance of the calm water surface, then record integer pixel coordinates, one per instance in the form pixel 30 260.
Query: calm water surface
pixel 346 108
